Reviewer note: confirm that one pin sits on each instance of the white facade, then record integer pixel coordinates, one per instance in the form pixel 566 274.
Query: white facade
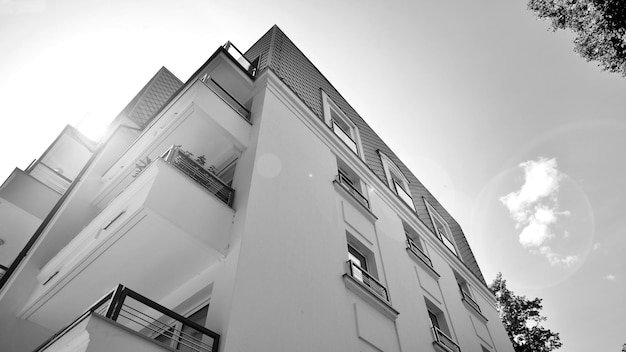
pixel 297 258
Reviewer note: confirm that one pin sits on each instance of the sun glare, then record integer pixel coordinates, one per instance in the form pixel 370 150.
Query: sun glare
pixel 92 126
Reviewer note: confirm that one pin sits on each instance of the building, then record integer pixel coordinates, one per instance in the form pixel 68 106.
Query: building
pixel 250 208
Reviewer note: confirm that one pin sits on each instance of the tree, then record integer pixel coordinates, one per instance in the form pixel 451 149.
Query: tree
pixel 599 25
pixel 522 320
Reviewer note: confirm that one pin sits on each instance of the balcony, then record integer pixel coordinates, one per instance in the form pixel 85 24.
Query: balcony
pixel 183 161
pixel 444 341
pixel 169 225
pixel 418 252
pixel 406 198
pixel 469 300
pixel 367 280
pixel 135 321
pixel 347 184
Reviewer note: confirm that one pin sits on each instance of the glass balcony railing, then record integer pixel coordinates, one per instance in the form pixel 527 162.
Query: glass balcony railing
pixel 148 318
pixel 469 300
pixel 368 281
pixel 345 137
pixel 413 247
pixel 207 179
pixel 349 186
pixel 445 340
pixel 404 195
pixel 250 67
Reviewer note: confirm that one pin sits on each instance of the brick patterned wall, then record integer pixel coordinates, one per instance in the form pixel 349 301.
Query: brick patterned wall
pixel 280 55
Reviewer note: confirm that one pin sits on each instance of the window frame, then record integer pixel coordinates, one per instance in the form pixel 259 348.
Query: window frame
pixel 334 116
pixel 393 174
pixel 442 231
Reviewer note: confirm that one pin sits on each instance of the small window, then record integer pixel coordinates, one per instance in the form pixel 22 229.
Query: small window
pixel 441 330
pixel 351 182
pixel 362 268
pixel 416 246
pixel 442 230
pixel 396 180
pixel 339 123
pixel 466 292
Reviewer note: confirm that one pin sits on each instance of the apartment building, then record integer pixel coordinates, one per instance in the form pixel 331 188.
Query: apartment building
pixel 250 208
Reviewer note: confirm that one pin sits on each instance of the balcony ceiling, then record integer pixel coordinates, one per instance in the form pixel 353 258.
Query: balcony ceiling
pixel 171 231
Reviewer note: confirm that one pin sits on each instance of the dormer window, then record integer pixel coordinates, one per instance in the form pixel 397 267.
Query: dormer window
pixel 340 124
pixel 442 230
pixel 396 180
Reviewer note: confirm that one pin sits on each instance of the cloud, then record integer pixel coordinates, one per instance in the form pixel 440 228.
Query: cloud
pixel 596 246
pixel 534 208
pixel 610 277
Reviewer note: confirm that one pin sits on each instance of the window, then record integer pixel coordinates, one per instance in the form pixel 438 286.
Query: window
pixel 362 268
pixel 343 127
pixel 442 230
pixel 466 292
pixel 351 183
pixel 415 245
pixel 396 180
pixel 441 331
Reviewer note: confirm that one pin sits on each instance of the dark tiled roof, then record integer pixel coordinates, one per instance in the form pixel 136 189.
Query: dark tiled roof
pixel 278 53
pixel 151 98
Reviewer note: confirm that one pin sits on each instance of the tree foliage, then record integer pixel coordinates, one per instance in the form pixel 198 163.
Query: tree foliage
pixel 599 25
pixel 522 320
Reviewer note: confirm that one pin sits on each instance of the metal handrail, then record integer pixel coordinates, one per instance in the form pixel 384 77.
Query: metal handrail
pixel 368 280
pixel 114 306
pixel 206 79
pixel 465 296
pixel 418 252
pixel 207 179
pixel 347 184
pixel 445 340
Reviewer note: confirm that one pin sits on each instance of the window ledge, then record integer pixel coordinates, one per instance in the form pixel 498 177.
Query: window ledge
pixel 477 313
pixel 370 297
pixel 426 266
pixel 355 202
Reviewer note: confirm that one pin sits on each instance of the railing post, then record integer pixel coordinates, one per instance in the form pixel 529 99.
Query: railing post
pixel 116 303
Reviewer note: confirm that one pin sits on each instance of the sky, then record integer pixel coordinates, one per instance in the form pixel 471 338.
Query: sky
pixel 519 138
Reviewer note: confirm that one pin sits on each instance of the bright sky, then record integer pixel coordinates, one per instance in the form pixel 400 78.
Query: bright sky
pixel 518 137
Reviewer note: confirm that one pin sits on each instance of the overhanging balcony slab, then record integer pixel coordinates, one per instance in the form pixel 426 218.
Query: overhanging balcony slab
pixel 159 233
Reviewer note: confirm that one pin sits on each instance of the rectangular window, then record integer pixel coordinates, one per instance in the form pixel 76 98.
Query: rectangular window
pixel 442 230
pixel 340 124
pixel 351 183
pixel 466 292
pixel 441 331
pixel 396 180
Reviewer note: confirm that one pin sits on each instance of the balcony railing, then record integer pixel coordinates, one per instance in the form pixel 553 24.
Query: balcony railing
pixel 348 186
pixel 469 300
pixel 404 195
pixel 226 96
pixel 368 281
pixel 418 252
pixel 345 137
pixel 250 67
pixel 148 318
pixel 207 179
pixel 445 340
